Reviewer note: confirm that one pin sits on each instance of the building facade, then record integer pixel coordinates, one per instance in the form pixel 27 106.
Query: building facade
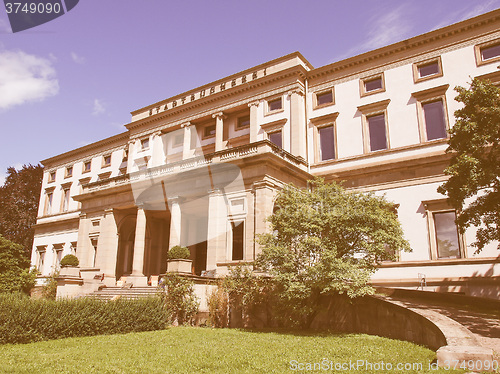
pixel 202 168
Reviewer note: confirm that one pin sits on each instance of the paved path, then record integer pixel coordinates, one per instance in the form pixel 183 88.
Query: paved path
pixel 483 322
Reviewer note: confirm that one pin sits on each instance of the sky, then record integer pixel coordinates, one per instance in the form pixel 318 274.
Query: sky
pixel 75 80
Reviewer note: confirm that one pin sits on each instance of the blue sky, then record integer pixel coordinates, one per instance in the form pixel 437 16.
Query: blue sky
pixel 76 79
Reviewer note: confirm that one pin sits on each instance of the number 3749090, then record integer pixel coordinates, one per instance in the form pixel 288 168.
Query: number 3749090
pixel 33 8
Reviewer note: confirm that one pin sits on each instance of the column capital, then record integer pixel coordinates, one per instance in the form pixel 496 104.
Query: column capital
pixel 219 115
pixel 83 215
pixel 186 124
pixel 174 199
pixel 157 133
pixel 253 103
pixel 297 91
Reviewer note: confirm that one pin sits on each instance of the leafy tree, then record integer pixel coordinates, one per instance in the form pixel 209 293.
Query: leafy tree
pixel 14 273
pixel 19 198
pixel 326 240
pixel 474 184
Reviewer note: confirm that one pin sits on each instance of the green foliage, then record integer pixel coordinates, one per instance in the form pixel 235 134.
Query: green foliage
pixel 325 240
pixel 15 275
pixel 178 252
pixel 19 197
pixel 49 289
pixel 474 184
pixel 24 320
pixel 179 298
pixel 69 260
pixel 218 307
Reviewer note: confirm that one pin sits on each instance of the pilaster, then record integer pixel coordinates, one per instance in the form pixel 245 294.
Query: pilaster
pixel 175 221
pixel 297 124
pixel 254 126
pixel 217 229
pixel 219 131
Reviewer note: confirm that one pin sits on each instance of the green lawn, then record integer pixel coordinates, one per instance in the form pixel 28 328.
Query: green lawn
pixel 204 350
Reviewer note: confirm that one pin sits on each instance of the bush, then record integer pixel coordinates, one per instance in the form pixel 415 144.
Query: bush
pixel 15 274
pixel 178 252
pixel 25 320
pixel 49 289
pixel 179 298
pixel 218 307
pixel 70 260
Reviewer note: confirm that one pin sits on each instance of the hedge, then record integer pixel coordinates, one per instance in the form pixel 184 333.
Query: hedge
pixel 25 320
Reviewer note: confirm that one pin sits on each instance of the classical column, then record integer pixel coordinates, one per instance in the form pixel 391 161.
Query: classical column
pixel 130 159
pixel 186 150
pixel 217 229
pixel 254 127
pixel 297 124
pixel 137 275
pixel 175 222
pixel 83 243
pixel 157 155
pixel 219 131
pixel 108 246
pixel 264 193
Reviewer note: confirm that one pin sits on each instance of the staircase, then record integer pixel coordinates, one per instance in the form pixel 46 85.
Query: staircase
pixel 109 293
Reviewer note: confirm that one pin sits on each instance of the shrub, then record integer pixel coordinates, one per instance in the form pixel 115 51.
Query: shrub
pixel 218 307
pixel 178 252
pixel 49 289
pixel 25 320
pixel 179 298
pixel 70 260
pixel 15 274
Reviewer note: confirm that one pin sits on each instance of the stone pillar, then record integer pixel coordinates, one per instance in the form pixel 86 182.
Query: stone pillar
pixel 157 155
pixel 108 247
pixel 175 222
pixel 130 159
pixel 264 194
pixel 254 126
pixel 219 131
pixel 186 150
pixel 137 276
pixel 297 124
pixel 217 229
pixel 83 245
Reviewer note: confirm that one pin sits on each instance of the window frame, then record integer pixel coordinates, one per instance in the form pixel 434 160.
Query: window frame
pixel 209 136
pixel 144 141
pixel 428 96
pixel 321 122
pixel 240 120
pixel 49 201
pixel 84 169
pixel 65 197
pixel 478 48
pixel 52 176
pixel 417 65
pixel 268 110
pixel 275 131
pixel 68 172
pixel 322 92
pixel 371 110
pixel 362 84
pixel 441 206
pixel 233 224
pixel 104 163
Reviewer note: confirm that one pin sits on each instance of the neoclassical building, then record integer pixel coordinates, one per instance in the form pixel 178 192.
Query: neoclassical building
pixel 202 168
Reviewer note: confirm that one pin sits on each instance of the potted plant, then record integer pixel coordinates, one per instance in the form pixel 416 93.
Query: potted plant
pixel 69 266
pixel 178 260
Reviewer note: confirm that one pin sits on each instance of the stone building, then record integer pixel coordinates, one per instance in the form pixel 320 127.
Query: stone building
pixel 202 168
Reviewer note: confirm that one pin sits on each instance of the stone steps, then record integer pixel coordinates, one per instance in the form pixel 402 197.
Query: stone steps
pixel 109 293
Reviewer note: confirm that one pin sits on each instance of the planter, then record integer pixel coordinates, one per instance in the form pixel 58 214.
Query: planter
pixel 70 271
pixel 179 266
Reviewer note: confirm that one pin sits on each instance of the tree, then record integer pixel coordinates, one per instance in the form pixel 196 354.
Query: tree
pixel 14 273
pixel 326 240
pixel 19 198
pixel 473 188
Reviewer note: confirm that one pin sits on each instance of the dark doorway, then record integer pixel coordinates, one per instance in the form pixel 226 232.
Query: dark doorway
pixel 200 262
pixel 125 248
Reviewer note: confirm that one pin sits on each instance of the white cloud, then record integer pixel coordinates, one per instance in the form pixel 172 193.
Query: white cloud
pixel 98 107
pixel 469 12
pixel 77 59
pixel 25 78
pixel 388 26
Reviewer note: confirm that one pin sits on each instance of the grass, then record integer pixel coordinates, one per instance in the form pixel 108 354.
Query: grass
pixel 204 350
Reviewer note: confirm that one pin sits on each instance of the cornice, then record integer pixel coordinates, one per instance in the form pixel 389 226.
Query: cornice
pixel 438 37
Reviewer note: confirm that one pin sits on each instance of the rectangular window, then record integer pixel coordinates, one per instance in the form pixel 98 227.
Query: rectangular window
pixel 48 203
pixel 52 176
pixel 435 123
pixel 65 202
pixel 243 122
pixel 326 143
pixel 488 53
pixel 428 69
pixel 238 232
pixel 276 138
pixel 41 260
pixel 87 165
pixel 324 98
pixel 209 132
pixel 178 140
pixel 58 258
pixel 447 242
pixel 377 132
pixel 372 85
pixel 275 104
pixel 145 143
pixel 69 171
pixel 106 161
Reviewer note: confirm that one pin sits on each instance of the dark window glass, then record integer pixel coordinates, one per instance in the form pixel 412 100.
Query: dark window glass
pixel 435 125
pixel 237 240
pixel 446 235
pixel 107 160
pixel 52 176
pixel 209 131
pixel 87 166
pixel 276 138
pixel 243 122
pixel 145 143
pixel 69 171
pixel 275 104
pixel 373 84
pixel 327 143
pixel 376 129
pixel 490 52
pixel 324 98
pixel 428 69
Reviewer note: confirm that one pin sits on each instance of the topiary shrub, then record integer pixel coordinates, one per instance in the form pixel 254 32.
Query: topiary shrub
pixel 178 252
pixel 69 260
